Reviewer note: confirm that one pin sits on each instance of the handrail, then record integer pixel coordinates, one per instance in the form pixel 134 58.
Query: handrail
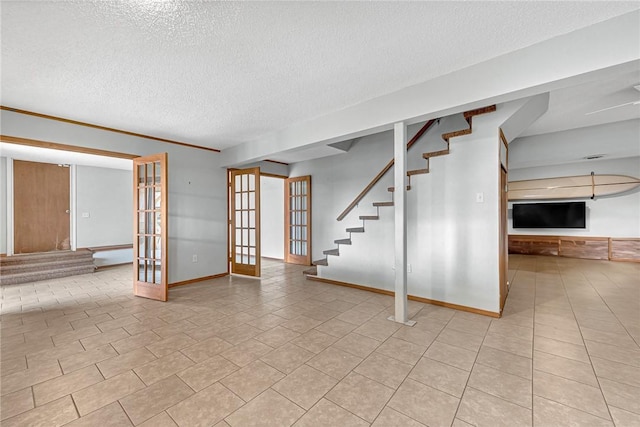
pixel 384 170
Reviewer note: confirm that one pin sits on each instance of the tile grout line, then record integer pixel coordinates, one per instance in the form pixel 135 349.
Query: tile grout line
pixel 475 360
pixel 414 366
pixel 610 310
pixel 604 400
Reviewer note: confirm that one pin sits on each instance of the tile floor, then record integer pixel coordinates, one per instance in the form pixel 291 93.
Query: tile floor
pixel 284 351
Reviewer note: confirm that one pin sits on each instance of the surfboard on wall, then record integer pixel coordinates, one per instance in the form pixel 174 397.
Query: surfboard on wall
pixel 571 187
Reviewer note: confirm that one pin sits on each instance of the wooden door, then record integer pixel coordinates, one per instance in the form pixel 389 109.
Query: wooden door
pixel 504 240
pixel 297 211
pixel 150 269
pixel 41 207
pixel 245 221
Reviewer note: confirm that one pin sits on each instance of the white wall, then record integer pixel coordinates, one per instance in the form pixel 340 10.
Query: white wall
pixel 272 217
pixel 106 196
pixel 561 154
pixel 452 239
pixel 197 189
pixel 616 140
pixel 3 205
pixel 609 216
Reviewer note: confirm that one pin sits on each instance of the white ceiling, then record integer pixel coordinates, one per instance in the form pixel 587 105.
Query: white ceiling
pixel 577 106
pixel 218 74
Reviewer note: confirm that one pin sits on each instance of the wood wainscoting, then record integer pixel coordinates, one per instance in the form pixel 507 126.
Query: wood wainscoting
pixel 603 248
pixel 624 249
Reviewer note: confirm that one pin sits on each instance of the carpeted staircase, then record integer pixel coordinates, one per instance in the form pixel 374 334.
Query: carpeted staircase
pixel 43 266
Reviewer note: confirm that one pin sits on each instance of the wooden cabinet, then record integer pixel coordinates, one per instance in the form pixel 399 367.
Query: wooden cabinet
pixel 606 248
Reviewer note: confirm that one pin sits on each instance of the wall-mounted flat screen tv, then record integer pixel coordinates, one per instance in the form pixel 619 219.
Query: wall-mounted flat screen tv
pixel 549 215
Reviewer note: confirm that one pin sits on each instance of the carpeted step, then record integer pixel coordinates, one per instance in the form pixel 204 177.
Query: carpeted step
pixel 44 257
pixel 34 276
pixel 45 266
pixel 25 268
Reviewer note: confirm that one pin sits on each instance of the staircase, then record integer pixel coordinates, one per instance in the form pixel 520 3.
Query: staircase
pixel 43 266
pixel 468 116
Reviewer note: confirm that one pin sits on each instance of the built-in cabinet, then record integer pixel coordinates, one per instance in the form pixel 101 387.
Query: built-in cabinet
pixel 604 248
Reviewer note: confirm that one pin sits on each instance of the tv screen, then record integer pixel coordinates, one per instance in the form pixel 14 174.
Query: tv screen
pixel 549 215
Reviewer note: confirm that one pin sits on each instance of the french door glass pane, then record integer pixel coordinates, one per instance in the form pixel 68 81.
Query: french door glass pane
pixel 141 199
pixel 158 171
pixel 158 198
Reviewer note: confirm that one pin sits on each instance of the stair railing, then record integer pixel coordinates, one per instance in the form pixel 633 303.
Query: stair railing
pixel 384 170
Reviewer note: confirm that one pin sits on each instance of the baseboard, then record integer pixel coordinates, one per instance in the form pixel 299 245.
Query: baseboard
pixel 109 247
pixel 199 279
pixel 455 306
pixel 350 285
pixel 410 297
pixel 104 267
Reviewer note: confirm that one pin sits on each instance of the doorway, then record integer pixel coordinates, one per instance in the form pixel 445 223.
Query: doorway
pixel 41 207
pixel 272 217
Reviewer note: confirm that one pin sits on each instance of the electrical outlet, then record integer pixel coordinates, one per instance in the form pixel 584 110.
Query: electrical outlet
pixel 85 215
pixel 194 258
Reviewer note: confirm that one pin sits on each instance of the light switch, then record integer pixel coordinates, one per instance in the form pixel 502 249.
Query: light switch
pixel 85 215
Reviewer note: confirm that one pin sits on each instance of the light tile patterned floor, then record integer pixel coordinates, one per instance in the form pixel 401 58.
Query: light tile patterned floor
pixel 282 351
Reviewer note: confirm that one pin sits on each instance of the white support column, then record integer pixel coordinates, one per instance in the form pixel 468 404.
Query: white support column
pixel 400 209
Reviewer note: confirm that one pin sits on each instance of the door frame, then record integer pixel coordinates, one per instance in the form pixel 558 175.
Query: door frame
pixel 503 226
pixel 73 196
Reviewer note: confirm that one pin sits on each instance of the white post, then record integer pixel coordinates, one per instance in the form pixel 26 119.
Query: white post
pixel 400 209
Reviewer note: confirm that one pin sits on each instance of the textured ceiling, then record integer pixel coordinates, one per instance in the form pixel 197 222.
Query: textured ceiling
pixel 221 73
pixel 578 106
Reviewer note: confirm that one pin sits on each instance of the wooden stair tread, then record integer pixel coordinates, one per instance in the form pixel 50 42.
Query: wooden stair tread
pixel 417 171
pixel 342 242
pixel 392 189
pixel 355 230
pixel 321 262
pixel 383 204
pixel 435 153
pixel 335 252
pixel 449 135
pixel 369 217
pixel 478 111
